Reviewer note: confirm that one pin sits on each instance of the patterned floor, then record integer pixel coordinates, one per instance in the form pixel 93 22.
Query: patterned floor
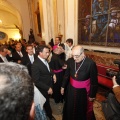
pixel 57 108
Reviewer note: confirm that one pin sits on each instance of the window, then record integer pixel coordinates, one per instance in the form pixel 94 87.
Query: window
pixel 99 22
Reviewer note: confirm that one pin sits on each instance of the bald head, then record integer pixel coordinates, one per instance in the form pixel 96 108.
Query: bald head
pixel 78 53
pixel 78 49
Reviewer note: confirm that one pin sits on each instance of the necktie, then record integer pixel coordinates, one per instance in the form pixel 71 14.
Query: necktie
pixel 31 59
pixel 46 63
pixel 20 54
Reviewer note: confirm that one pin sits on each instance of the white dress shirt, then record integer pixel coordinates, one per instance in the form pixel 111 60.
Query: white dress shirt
pixel 68 51
pixel 31 57
pixel 20 53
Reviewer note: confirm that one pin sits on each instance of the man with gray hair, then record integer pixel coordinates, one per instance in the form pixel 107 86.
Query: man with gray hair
pixel 16 92
pixel 82 87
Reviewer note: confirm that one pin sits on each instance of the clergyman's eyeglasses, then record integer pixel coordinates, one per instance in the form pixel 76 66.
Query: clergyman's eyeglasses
pixel 77 56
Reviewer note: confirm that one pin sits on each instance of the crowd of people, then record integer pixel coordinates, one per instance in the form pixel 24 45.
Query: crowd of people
pixel 38 72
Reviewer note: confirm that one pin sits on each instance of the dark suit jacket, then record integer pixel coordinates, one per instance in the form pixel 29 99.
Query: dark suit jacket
pixel 41 76
pixel 7 57
pixel 26 61
pixel 62 55
pixel 16 56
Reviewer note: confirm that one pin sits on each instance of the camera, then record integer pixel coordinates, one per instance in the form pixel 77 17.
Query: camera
pixel 110 72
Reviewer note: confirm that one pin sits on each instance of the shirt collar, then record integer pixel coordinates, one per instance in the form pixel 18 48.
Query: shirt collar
pixel 43 60
pixel 30 55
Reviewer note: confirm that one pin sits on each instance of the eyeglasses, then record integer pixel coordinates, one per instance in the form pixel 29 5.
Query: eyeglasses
pixel 77 56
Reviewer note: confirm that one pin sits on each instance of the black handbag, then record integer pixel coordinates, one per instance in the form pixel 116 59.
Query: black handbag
pixel 111 108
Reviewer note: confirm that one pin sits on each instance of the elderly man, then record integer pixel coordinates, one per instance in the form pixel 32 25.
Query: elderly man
pixel 82 86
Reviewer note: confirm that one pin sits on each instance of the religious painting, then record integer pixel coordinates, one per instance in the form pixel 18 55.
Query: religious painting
pixel 113 36
pixel 99 24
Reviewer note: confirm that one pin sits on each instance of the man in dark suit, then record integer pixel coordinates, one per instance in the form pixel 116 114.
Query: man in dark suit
pixel 35 45
pixel 29 58
pixel 43 77
pixel 18 53
pixel 5 54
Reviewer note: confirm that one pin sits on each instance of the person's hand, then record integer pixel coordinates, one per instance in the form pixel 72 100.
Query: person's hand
pixel 62 90
pixel 91 99
pixel 19 61
pixel 50 91
pixel 32 112
pixel 64 67
pixel 54 78
pixel 114 81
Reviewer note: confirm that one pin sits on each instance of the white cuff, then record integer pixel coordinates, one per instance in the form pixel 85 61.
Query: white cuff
pixel 115 86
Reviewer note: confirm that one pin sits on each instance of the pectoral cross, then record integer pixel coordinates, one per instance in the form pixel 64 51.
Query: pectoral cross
pixel 75 75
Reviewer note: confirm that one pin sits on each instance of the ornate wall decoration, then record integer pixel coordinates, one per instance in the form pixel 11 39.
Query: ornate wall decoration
pixel 99 22
pixel 103 58
pixel 2 35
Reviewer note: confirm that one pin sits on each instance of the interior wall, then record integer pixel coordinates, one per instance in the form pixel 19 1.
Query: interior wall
pixel 66 19
pixel 59 18
pixel 11 33
pixel 69 18
pixel 8 18
pixel 66 12
pixel 34 9
pixel 48 20
pixel 7 26
pixel 22 7
pixel 45 35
